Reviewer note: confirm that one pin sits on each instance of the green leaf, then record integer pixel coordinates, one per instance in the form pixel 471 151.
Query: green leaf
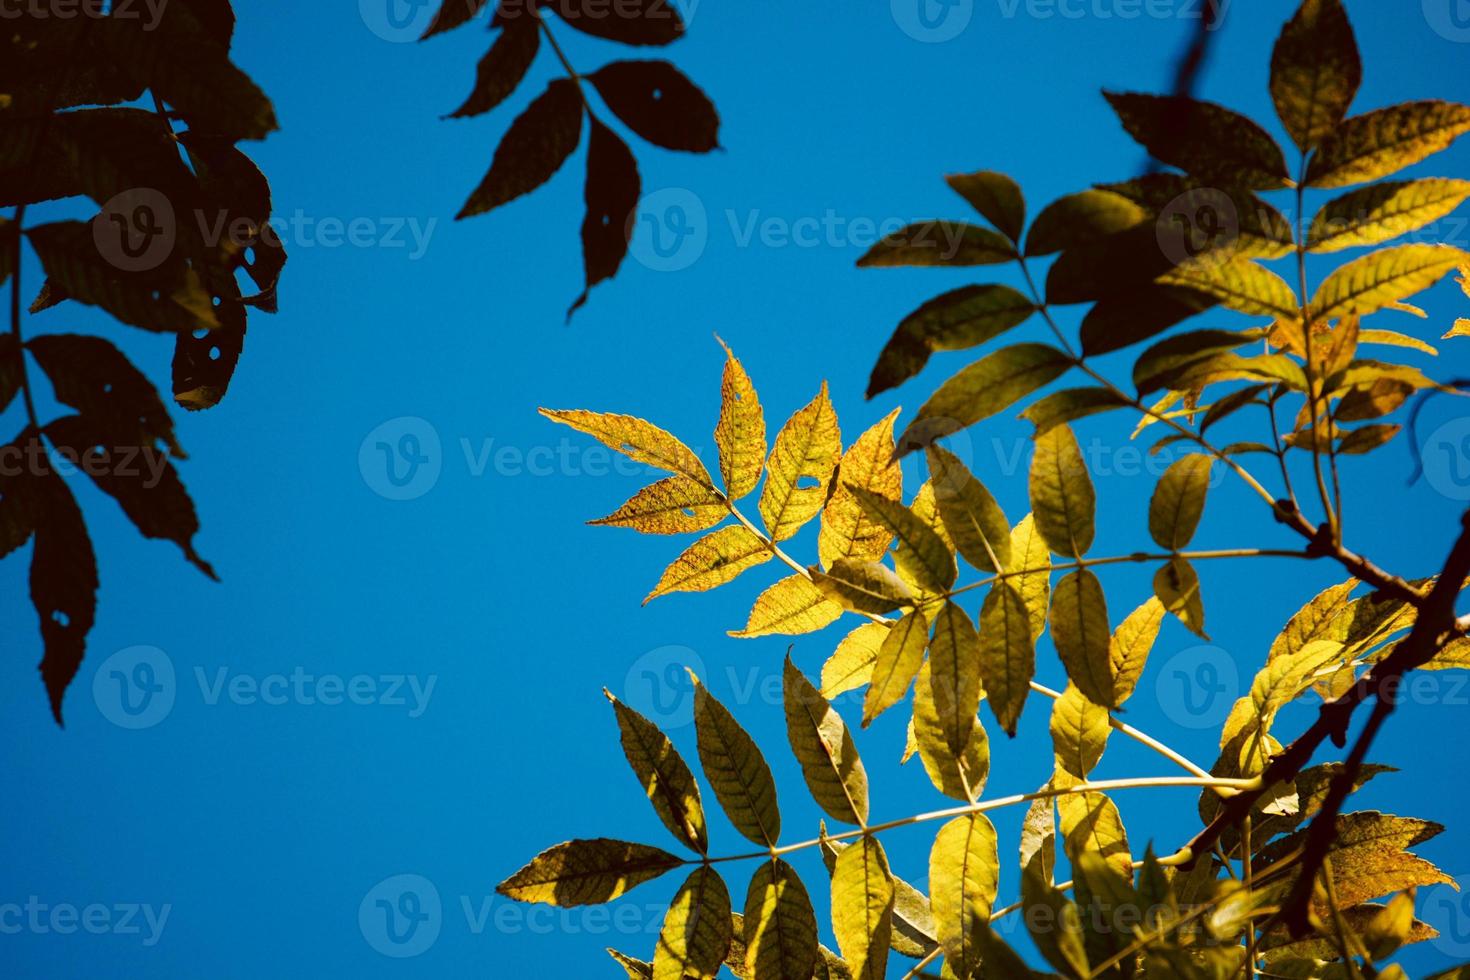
pixel 1069 405
pixel 586 872
pixel 712 561
pixel 848 531
pixel 939 243
pixel 897 663
pixel 1007 653
pixel 862 908
pixel 1081 218
pixel 792 606
pixel 736 770
pixel 1177 585
pixel 1132 641
pixel 1079 627
pixel 822 744
pixel 1384 141
pixel 1371 215
pixel 954 679
pixel 957 320
pixel 862 586
pixel 996 197
pixel 1031 571
pixel 780 926
pixel 923 558
pixel 664 776
pixel 1179 501
pixel 1203 139
pixel 1238 284
pixel 1079 732
pixel 807 448
pixel 696 932
pixel 990 385
pixel 1383 278
pixel 964 875
pixel 639 440
pixel 1062 498
pixel 1315 72
pixel 957 775
pixel 741 432
pixel 534 148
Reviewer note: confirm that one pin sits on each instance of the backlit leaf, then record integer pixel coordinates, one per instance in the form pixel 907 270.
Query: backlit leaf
pixel 923 560
pixel 990 385
pixel 964 875
pixel 640 441
pixel 1079 627
pixel 1202 139
pixel 696 932
pixel 656 101
pixel 939 243
pixel 1177 585
pixel 823 745
pixel 1070 404
pixel 954 675
pixel 1030 569
pixel 712 561
pixel 780 926
pixel 1367 438
pixel 956 320
pixel 1384 141
pixel 1370 855
pixel 1179 501
pixel 534 148
pixel 1315 71
pixel 793 605
pixel 1383 212
pixel 1079 732
pixel 848 530
pixel 586 872
pixel 862 908
pixel 1007 653
pixel 1239 284
pixel 805 454
pixel 664 775
pixel 996 197
pixel 1382 278
pixel 1132 641
pixel 736 770
pixel 898 660
pixel 972 518
pixel 673 505
pixel 862 586
pixel 1081 218
pixel 961 776
pixel 851 664
pixel 740 433
pixel 1062 498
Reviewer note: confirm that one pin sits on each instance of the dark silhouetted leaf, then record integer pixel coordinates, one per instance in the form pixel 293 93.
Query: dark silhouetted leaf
pixel 657 102
pixel 628 22
pixel 1203 139
pixel 94 377
pixel 611 194
pixel 1122 321
pixel 534 148
pixel 456 13
pixel 63 581
pixel 990 385
pixel 503 67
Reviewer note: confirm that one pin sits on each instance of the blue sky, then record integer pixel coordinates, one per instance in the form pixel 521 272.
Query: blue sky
pixel 467 632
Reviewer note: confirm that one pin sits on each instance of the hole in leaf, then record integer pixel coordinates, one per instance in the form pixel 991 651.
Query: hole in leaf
pixel 807 483
pixel 214 353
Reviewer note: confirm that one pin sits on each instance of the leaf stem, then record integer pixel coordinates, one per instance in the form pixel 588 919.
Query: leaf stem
pixel 1137 556
pixel 1307 345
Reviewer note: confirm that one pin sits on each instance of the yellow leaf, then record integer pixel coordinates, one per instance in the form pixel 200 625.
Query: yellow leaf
pixel 862 586
pixel 1062 498
pixel 975 522
pixel 636 969
pixel 1007 653
pixel 664 775
pixel 741 431
pixel 1460 329
pixel 1238 284
pixel 1287 676
pixel 1030 571
pixel 897 662
pixel 823 745
pixel 736 770
pixel 851 664
pixel 1392 338
pixel 1179 501
pixel 791 606
pixel 959 776
pixel 696 932
pixel 913 922
pixel 954 678
pixel 1071 404
pixel 1080 630
pixel 1091 825
pixel 1384 141
pixel 847 531
pixel 639 440
pixel 990 385
pixel 862 908
pixel 586 872
pixel 1454 655
pixel 1317 620
pixel 712 561
pixel 924 561
pixel 1315 71
pixel 780 926
pixel 1383 212
pixel 807 448
pixel 1079 733
pixel 673 505
pixel 1177 585
pixel 1384 277
pixel 964 875
pixel 1370 856
pixel 1132 641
